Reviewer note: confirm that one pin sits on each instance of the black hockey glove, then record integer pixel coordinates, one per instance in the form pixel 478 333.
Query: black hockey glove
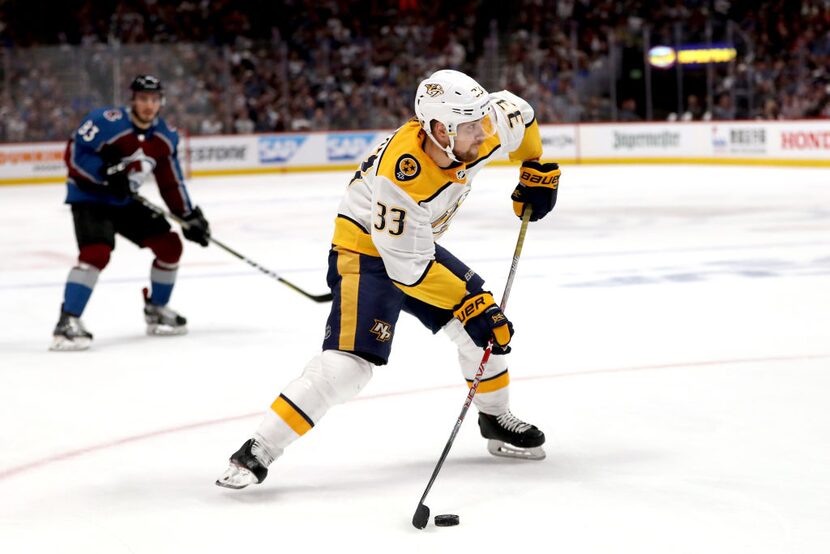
pixel 483 320
pixel 117 182
pixel 537 187
pixel 126 176
pixel 197 228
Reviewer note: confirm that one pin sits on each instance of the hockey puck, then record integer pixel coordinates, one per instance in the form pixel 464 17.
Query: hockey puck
pixel 447 520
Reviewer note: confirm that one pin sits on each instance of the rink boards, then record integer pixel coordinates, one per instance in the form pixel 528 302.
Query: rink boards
pixel 787 143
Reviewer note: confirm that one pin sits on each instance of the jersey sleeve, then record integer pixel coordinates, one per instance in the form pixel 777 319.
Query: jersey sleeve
pixel 169 176
pixel 402 233
pixel 84 152
pixel 518 129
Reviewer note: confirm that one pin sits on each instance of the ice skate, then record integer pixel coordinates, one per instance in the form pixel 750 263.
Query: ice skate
pixel 161 320
pixel 510 437
pixel 70 334
pixel 248 466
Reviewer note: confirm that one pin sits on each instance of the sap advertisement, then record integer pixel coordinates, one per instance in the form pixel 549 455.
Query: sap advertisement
pixel 315 150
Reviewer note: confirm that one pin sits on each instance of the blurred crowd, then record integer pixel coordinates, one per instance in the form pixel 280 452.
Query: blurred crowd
pixel 253 66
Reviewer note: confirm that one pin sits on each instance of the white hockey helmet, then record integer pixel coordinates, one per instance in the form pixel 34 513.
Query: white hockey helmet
pixel 452 98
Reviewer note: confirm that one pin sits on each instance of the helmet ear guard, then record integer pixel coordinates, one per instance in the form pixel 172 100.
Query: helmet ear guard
pixel 451 98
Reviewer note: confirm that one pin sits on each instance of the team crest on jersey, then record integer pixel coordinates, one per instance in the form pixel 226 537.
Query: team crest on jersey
pixel 407 168
pixel 113 115
pixel 434 89
pixel 382 329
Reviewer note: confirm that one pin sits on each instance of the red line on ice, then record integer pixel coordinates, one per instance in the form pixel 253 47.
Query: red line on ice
pixel 61 456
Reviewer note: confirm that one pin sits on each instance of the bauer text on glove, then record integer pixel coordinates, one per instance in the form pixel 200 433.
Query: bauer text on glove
pixel 483 320
pixel 537 188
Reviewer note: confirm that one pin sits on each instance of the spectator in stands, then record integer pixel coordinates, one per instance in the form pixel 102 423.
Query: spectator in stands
pixel 723 109
pixel 628 111
pixel 694 110
pixel 282 62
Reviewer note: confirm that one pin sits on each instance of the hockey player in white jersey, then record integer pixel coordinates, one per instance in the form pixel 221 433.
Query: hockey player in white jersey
pixel 385 259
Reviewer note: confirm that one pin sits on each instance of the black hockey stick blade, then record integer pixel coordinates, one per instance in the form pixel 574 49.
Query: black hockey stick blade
pixel 421 517
pixel 315 297
pixel 323 297
pixel 320 298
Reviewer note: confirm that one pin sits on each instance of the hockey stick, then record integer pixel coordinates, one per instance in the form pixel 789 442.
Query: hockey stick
pixel 315 297
pixel 421 516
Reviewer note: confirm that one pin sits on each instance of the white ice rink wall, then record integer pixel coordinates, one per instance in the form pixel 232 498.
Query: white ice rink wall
pixel 789 143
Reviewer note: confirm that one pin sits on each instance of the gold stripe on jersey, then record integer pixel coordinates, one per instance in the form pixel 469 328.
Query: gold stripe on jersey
pixel 419 183
pixel 348 266
pixel 351 236
pixel 292 415
pixel 531 146
pixel 438 287
pixel 493 383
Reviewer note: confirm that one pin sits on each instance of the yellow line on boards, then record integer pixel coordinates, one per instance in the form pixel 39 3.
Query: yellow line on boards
pixel 31 180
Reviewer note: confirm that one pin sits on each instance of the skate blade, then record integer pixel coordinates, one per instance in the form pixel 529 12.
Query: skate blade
pixel 64 344
pixel 160 330
pixel 236 477
pixel 504 450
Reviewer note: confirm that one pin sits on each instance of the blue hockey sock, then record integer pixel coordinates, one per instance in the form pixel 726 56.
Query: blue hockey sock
pixel 79 285
pixel 162 278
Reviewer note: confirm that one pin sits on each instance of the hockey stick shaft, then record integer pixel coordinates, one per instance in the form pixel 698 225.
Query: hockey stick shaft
pixel 184 224
pixel 422 512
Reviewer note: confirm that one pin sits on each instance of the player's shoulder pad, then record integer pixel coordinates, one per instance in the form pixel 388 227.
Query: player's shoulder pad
pixel 405 164
pixel 168 131
pixel 101 126
pixel 109 117
pixel 517 101
pixel 403 160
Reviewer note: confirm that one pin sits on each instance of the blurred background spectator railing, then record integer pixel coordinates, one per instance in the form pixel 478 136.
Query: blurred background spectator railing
pixel 247 66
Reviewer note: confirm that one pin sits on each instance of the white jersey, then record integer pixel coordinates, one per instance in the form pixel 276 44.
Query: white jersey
pixel 400 201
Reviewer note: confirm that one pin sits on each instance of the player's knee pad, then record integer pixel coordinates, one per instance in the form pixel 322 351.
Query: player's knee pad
pixel 330 378
pixel 167 247
pixel 96 255
pixel 340 376
pixel 469 355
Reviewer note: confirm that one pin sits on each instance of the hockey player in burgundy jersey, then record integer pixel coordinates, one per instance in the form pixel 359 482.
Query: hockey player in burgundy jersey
pixel 109 156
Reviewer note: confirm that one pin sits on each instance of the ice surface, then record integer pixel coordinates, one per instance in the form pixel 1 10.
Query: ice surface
pixel 673 341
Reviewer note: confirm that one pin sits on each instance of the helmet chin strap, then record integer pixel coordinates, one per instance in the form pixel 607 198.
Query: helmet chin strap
pixel 446 149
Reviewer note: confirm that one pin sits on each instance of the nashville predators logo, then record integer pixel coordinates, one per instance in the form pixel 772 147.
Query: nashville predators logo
pixel 382 329
pixel 434 89
pixel 407 168
pixel 441 224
